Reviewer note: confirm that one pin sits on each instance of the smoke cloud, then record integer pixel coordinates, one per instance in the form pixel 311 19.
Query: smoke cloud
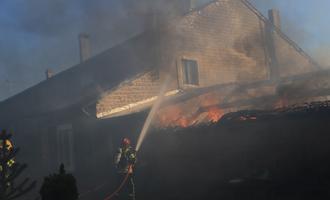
pixel 322 55
pixel 40 34
pixel 305 22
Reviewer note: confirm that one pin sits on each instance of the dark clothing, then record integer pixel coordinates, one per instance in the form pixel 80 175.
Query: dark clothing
pixel 125 157
pixel 128 190
pixel 124 162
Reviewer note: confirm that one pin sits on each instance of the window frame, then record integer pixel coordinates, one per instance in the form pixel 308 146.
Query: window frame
pixel 194 82
pixel 65 149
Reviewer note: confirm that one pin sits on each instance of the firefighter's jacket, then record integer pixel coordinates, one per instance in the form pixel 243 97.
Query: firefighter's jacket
pixel 125 157
pixel 9 147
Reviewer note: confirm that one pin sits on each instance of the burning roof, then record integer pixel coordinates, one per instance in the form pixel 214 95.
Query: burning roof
pixel 219 62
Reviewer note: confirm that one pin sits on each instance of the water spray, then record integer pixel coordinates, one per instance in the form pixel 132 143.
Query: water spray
pixel 144 130
pixel 152 113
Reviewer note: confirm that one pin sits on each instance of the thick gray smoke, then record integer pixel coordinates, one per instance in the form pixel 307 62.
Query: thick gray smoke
pixel 305 22
pixel 40 34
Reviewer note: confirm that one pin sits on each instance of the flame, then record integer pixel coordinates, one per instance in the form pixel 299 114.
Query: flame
pixel 194 111
pixel 183 122
pixel 182 115
pixel 202 109
pixel 214 114
pixel 174 116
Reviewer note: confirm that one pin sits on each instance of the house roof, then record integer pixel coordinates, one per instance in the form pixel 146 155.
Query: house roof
pixel 253 9
pixel 280 33
pixel 83 82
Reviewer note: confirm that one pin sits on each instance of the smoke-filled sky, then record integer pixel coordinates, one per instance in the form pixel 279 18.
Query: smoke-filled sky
pixel 306 22
pixel 40 34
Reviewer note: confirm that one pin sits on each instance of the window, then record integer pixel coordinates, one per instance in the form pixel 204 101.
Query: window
pixel 65 146
pixel 190 72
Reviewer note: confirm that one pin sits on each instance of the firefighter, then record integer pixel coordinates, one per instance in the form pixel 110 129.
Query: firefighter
pixel 124 161
pixel 11 162
pixel 9 147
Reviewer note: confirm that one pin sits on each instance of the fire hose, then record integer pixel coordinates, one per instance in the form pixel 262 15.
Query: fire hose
pixel 130 168
pixel 144 131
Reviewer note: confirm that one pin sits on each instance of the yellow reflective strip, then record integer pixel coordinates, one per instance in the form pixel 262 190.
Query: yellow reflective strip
pixel 10 162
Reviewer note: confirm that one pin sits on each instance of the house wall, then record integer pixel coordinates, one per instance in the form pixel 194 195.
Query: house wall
pixel 231 43
pixel 225 38
pixel 92 147
pixel 144 86
pixel 290 61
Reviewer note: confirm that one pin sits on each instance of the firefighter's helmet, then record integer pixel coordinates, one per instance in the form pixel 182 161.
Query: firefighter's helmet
pixel 126 142
pixel 9 145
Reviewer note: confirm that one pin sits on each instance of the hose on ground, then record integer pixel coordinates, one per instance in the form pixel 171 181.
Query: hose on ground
pixel 120 186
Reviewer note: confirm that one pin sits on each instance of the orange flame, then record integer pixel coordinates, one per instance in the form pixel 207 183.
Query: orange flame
pixel 214 114
pixel 183 122
pixel 180 116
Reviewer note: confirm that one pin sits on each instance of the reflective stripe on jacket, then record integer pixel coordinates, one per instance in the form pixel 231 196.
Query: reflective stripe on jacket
pixel 124 158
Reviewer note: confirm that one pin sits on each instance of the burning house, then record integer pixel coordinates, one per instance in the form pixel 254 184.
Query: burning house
pixel 221 57
pixel 227 45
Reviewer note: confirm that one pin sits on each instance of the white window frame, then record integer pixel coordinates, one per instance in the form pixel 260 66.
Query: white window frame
pixel 182 73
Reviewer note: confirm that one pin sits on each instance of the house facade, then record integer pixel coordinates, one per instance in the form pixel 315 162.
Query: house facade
pixel 223 42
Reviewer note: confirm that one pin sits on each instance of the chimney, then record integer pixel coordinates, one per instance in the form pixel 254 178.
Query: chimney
pixel 187 5
pixel 274 17
pixel 49 74
pixel 84 45
pixel 193 4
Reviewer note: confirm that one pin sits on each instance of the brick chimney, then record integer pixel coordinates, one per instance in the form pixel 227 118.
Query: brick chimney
pixel 84 47
pixel 193 4
pixel 274 17
pixel 49 73
pixel 187 5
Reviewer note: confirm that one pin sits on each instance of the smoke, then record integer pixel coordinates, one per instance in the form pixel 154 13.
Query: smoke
pixel 322 55
pixel 305 22
pixel 40 34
